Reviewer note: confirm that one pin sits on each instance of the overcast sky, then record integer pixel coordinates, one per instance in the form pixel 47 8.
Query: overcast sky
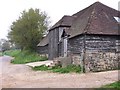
pixel 11 9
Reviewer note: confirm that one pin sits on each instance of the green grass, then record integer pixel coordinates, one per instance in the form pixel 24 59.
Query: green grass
pixel 113 86
pixel 12 53
pixel 41 68
pixel 0 53
pixel 22 57
pixel 58 69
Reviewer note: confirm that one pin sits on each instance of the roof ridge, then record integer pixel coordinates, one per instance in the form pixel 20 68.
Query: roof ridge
pixel 81 11
pixel 97 3
pixel 90 18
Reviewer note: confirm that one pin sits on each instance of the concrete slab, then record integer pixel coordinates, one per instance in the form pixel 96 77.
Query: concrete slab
pixel 33 64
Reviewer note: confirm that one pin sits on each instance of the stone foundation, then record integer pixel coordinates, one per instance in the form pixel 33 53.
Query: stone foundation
pixel 64 61
pixel 98 61
pixel 76 59
pixel 94 61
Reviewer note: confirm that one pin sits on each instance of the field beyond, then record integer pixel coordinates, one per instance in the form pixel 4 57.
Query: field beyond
pixel 23 57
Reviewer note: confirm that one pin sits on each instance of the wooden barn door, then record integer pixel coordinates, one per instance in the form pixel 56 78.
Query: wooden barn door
pixel 65 47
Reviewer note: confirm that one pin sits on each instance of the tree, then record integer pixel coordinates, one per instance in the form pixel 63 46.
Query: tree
pixel 0 45
pixel 28 30
pixel 4 45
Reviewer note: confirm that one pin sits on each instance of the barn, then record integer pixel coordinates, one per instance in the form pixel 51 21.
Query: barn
pixel 91 37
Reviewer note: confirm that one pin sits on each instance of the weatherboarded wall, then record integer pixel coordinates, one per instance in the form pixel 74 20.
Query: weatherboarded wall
pixel 42 49
pixel 75 45
pixel 94 43
pixel 53 43
pixel 102 43
pixel 56 42
pixel 102 52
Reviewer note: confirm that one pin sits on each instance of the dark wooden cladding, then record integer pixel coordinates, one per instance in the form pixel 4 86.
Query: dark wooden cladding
pixel 60 48
pixel 75 45
pixel 53 43
pixel 42 49
pixel 104 43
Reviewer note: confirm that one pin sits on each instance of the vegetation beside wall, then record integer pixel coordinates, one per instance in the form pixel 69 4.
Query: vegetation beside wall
pixel 22 57
pixel 58 69
pixel 115 85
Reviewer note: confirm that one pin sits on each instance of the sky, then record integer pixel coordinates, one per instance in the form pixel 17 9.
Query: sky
pixel 11 9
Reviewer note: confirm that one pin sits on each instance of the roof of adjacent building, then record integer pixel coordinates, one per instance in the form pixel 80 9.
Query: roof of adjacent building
pixel 44 41
pixel 64 21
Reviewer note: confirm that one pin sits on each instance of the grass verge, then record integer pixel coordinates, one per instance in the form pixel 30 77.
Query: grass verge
pixel 58 69
pixel 113 86
pixel 0 53
pixel 22 57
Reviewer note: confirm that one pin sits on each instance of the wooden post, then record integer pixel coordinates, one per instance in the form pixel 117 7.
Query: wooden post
pixel 65 46
pixel 84 53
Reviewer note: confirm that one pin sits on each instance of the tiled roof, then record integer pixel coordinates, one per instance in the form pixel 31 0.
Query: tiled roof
pixel 44 41
pixel 64 21
pixel 95 19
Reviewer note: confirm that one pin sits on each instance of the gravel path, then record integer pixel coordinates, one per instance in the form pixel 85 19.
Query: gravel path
pixel 21 76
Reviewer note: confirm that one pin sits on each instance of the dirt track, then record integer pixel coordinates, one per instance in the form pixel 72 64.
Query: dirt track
pixel 21 76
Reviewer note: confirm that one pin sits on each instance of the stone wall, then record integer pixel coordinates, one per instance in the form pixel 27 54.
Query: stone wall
pixel 65 61
pixel 76 59
pixel 99 61
pixel 94 61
